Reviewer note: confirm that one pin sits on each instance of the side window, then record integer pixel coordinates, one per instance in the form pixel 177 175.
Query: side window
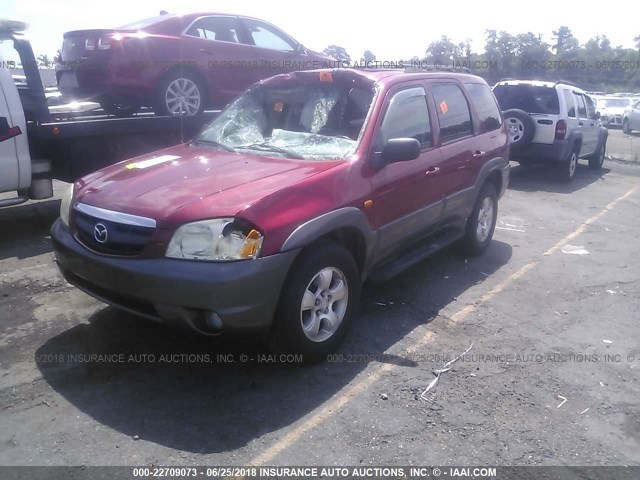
pixel 591 109
pixel 215 28
pixel 571 106
pixel 453 112
pixel 486 106
pixel 265 36
pixel 582 108
pixel 407 116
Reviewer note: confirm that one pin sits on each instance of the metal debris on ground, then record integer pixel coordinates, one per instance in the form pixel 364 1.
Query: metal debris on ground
pixel 584 411
pixel 564 400
pixel 604 340
pixel 574 250
pixel 445 368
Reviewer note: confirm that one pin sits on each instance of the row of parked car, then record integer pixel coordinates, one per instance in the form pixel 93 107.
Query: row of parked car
pixel 614 108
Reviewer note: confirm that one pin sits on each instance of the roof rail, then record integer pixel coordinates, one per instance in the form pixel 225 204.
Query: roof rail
pixel 567 82
pixel 441 68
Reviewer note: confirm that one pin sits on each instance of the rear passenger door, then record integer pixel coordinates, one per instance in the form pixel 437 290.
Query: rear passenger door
pixel 587 125
pixel 461 157
pixel 407 198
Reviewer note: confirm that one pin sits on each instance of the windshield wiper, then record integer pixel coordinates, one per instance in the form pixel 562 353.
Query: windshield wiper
pixel 273 148
pixel 213 143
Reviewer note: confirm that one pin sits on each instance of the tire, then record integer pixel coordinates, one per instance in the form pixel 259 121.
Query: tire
pixel 308 299
pixel 481 223
pixel 520 128
pixel 180 94
pixel 566 170
pixel 597 159
pixel 625 127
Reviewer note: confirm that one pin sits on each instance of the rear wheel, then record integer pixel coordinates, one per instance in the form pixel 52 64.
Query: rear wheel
pixel 180 94
pixel 567 169
pixel 318 302
pixel 625 127
pixel 597 159
pixel 481 223
pixel 520 128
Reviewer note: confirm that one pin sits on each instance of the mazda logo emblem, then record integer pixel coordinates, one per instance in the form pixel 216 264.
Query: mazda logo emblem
pixel 100 233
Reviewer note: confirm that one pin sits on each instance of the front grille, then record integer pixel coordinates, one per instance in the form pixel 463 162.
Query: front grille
pixel 122 239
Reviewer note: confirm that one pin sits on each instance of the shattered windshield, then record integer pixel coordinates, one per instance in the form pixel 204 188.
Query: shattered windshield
pixel 311 119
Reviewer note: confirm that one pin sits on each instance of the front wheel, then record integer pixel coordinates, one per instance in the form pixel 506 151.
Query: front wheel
pixel 625 127
pixel 481 223
pixel 318 302
pixel 597 159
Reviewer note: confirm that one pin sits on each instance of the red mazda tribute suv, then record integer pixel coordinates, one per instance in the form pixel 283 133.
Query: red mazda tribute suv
pixel 275 215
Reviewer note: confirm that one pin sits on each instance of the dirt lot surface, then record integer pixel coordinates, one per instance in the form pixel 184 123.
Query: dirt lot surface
pixel 551 309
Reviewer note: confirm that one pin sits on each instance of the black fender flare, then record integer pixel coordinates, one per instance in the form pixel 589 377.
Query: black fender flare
pixel 329 222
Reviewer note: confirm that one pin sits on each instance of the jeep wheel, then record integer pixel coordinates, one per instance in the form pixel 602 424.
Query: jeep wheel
pixel 567 169
pixel 481 223
pixel 597 159
pixel 318 302
pixel 520 128
pixel 625 127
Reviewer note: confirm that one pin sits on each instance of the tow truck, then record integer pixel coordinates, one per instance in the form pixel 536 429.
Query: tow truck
pixel 38 145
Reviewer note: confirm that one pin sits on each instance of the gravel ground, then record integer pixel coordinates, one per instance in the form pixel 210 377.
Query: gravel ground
pixel 545 326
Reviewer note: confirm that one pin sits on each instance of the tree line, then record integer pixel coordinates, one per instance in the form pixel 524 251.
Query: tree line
pixel 595 65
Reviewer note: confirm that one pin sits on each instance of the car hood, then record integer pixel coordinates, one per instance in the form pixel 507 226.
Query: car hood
pixel 187 183
pixel 612 110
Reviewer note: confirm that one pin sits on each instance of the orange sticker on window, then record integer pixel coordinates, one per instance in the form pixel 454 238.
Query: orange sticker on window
pixel 278 107
pixel 326 77
pixel 443 107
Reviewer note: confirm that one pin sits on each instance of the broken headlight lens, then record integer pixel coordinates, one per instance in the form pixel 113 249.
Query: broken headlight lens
pixel 218 240
pixel 65 205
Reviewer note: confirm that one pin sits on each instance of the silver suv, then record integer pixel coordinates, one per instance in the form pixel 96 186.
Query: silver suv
pixel 552 122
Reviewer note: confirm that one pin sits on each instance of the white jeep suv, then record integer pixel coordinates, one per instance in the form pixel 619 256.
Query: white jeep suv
pixel 552 122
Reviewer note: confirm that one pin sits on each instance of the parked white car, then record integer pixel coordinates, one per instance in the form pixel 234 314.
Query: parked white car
pixel 611 110
pixel 631 118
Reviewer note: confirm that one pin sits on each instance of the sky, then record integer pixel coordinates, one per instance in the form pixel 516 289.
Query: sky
pixel 391 30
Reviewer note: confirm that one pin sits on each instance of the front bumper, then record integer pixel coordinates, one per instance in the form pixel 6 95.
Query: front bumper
pixel 244 294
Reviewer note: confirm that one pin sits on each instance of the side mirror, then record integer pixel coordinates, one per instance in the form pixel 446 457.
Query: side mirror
pixel 401 150
pixel 596 116
pixel 301 49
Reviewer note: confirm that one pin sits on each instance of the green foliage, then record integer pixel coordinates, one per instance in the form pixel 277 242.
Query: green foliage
pixel 337 53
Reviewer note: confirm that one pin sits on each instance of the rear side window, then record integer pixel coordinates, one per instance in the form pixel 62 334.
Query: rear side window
pixel 453 112
pixel 582 108
pixel 408 116
pixel 222 29
pixel 591 109
pixel 486 106
pixel 571 107
pixel 265 36
pixel 530 98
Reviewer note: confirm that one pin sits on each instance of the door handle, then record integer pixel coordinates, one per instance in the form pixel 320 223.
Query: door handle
pixel 432 171
pixel 581 124
pixel 479 154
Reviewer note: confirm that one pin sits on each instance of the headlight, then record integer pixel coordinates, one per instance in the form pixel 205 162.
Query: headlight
pixel 65 205
pixel 217 240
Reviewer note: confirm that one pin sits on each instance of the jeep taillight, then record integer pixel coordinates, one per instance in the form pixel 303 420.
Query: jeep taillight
pixel 561 129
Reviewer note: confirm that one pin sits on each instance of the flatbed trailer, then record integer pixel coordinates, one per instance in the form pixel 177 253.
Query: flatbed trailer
pixel 37 146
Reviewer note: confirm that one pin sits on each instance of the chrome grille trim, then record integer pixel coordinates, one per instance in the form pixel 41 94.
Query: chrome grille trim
pixel 116 217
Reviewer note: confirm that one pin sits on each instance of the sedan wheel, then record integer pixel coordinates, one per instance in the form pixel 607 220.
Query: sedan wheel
pixel 182 97
pixel 485 219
